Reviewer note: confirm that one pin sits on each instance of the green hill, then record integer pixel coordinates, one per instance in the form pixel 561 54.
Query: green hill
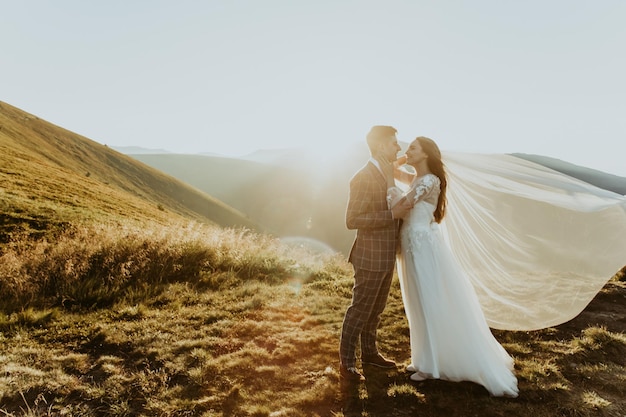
pixel 50 176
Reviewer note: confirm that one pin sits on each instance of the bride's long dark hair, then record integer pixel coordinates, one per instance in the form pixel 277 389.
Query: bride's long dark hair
pixel 436 166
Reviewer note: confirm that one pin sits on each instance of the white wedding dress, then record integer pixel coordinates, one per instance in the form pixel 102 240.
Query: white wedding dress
pixel 450 338
pixel 522 247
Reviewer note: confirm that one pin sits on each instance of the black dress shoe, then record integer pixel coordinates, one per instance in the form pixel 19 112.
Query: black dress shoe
pixel 350 374
pixel 378 360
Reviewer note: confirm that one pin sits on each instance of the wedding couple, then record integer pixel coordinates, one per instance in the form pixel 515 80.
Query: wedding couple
pixel 449 336
pixel 523 247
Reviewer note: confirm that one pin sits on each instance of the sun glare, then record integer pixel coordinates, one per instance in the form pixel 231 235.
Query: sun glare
pixel 328 159
pixel 308 244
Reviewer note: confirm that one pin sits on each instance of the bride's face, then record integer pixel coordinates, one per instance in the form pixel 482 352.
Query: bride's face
pixel 415 154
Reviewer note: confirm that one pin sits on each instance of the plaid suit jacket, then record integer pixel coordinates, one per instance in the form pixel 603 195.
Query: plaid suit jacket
pixel 374 248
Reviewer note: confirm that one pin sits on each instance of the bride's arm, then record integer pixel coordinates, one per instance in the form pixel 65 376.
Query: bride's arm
pixel 400 174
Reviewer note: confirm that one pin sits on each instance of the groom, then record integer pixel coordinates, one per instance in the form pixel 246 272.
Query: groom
pixel 373 254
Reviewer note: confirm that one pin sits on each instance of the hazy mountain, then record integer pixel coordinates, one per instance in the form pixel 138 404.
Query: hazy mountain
pixel 283 157
pixel 49 174
pixel 138 150
pixel 289 192
pixel 296 195
pixel 600 179
pixel 296 198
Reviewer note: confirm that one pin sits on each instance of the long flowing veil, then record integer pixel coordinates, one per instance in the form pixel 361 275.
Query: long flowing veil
pixel 537 245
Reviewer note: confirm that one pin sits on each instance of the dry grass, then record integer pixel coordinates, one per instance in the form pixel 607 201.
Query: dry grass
pixel 227 312
pixel 95 266
pixel 203 321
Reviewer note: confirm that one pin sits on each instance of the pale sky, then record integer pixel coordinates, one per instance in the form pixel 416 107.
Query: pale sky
pixel 232 76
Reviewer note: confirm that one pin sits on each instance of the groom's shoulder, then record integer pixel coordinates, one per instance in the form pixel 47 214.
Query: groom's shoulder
pixel 365 177
pixel 364 171
pixel 367 168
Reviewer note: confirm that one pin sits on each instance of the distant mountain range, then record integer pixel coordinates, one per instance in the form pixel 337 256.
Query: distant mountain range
pixel 592 176
pixel 286 192
pixel 291 196
pixel 298 197
pixel 600 179
pixel 136 150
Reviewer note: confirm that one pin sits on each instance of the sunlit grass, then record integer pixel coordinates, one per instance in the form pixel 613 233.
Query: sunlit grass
pixel 201 321
pixel 97 265
pixel 226 309
pixel 592 400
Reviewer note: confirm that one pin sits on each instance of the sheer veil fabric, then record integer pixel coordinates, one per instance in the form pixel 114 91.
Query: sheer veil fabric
pixel 536 244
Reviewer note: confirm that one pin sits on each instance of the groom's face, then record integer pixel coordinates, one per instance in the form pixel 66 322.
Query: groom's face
pixel 389 148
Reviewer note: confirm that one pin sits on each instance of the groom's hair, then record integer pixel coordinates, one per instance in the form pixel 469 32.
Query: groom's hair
pixel 378 134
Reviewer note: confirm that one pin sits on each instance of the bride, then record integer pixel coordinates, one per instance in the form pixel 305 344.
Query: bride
pixel 491 267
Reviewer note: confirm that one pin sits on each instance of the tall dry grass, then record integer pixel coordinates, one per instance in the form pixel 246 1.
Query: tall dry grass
pixel 191 320
pixel 96 265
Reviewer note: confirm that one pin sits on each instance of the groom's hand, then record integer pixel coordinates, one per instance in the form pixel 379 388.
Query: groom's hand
pixel 400 161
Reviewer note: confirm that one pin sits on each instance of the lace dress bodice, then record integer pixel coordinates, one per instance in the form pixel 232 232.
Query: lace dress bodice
pixel 420 223
pixel 427 190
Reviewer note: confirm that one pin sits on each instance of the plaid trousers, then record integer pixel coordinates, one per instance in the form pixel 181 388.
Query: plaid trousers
pixel 369 297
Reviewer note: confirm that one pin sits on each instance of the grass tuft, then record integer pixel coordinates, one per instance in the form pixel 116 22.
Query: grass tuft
pixel 597 344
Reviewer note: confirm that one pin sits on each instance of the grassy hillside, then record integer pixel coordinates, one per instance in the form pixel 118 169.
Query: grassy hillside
pixel 50 176
pixel 117 301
